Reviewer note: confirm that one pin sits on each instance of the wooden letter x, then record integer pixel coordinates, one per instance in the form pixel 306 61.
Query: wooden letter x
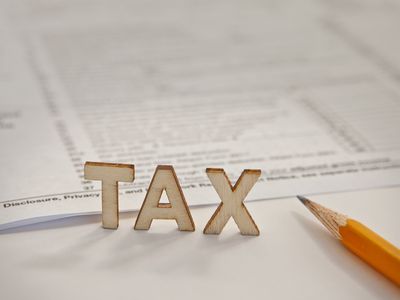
pixel 232 201
pixel 164 179
pixel 109 174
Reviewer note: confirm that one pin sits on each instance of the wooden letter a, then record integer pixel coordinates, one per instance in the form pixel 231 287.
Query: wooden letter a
pixel 164 179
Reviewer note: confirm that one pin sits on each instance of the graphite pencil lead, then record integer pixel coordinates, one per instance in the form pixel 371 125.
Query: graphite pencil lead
pixel 303 200
pixel 331 219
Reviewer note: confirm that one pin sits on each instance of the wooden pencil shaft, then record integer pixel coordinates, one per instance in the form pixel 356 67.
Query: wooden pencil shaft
pixel 372 248
pixel 365 243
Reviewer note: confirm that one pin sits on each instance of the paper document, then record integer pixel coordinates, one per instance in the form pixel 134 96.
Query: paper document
pixel 308 93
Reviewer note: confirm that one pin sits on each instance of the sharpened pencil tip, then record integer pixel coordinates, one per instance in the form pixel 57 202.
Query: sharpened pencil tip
pixel 303 200
pixel 331 220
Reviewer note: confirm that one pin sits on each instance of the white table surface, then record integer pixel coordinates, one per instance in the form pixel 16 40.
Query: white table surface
pixel 293 258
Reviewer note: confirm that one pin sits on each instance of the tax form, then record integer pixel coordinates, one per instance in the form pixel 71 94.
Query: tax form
pixel 307 92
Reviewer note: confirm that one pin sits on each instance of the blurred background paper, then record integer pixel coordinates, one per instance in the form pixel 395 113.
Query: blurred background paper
pixel 306 91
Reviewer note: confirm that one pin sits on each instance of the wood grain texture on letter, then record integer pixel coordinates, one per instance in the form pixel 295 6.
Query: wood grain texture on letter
pixel 109 174
pixel 232 201
pixel 165 179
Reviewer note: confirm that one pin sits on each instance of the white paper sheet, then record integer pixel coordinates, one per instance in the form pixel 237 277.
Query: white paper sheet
pixel 305 92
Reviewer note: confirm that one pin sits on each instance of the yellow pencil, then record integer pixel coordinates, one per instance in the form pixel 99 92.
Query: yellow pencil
pixel 365 243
